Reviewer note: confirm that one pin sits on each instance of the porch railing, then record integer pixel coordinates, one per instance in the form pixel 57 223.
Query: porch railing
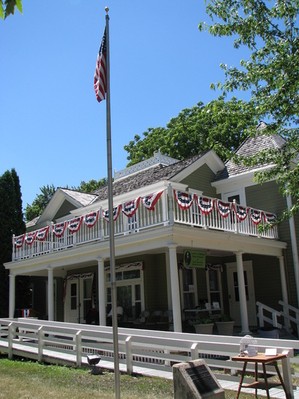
pixel 159 209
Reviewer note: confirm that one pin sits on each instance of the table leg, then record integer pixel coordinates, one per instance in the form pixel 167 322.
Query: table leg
pixel 281 379
pixel 241 380
pixel 266 380
pixel 256 376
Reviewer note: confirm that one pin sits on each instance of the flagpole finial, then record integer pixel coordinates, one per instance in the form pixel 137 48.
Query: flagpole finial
pixel 107 9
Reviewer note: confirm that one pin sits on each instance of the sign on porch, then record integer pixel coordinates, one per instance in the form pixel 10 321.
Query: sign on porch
pixel 193 258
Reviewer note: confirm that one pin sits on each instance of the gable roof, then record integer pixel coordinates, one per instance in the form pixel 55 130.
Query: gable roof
pixel 146 177
pixel 251 146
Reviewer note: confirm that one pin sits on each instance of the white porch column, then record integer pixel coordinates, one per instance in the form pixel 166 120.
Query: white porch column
pixel 175 289
pixel 169 298
pixel 294 247
pixel 101 295
pixel 284 289
pixel 242 294
pixel 12 294
pixel 50 294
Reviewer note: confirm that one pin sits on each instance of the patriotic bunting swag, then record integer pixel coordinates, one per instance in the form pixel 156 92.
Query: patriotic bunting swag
pixel 42 233
pixel 130 208
pixel 150 200
pixel 90 219
pixel 19 241
pixel 205 204
pixel 270 217
pixel 58 229
pixel 256 216
pixel 223 208
pixel 184 200
pixel 30 237
pixel 116 212
pixel 74 225
pixel 240 211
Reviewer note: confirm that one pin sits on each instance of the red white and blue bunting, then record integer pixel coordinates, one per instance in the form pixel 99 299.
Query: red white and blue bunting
pixel 58 229
pixel 75 224
pixel 240 211
pixel 91 218
pixel 130 208
pixel 205 205
pixel 183 199
pixel 256 216
pixel 116 212
pixel 19 241
pixel 30 238
pixel 270 217
pixel 150 201
pixel 42 233
pixel 224 208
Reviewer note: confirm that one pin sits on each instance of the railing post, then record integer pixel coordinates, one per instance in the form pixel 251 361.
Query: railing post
pixel 13 247
pixel 260 314
pixel 129 356
pixel 51 237
pixel 194 350
pixel 170 205
pixel 101 224
pixel 40 343
pixel 11 335
pixel 78 348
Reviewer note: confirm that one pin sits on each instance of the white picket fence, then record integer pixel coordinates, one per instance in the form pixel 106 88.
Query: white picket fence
pixel 68 343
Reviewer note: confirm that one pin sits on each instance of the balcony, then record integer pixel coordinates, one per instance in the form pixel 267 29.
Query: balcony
pixel 163 208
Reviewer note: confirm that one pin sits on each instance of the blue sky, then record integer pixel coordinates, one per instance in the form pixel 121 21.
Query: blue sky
pixel 53 131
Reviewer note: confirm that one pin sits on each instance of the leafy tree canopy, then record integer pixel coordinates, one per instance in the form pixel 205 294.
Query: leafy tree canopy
pixel 220 125
pixel 269 30
pixel 7 7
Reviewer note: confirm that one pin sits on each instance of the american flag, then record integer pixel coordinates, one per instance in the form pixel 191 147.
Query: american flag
pixel 100 72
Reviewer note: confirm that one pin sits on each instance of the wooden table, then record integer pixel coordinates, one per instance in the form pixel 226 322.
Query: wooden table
pixel 261 384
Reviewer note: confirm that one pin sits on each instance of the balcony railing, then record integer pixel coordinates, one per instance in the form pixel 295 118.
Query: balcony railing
pixel 163 208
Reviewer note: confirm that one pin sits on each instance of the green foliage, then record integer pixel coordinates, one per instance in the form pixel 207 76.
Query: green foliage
pixel 11 217
pixel 219 125
pixel 7 7
pixel 91 185
pixel 269 30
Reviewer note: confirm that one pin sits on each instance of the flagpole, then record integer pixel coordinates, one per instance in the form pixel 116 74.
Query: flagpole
pixel 111 219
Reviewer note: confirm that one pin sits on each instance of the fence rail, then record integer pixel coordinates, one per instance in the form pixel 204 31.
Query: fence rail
pixel 159 350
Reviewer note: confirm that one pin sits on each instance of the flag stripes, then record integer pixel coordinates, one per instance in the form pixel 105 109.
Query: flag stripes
pixel 100 84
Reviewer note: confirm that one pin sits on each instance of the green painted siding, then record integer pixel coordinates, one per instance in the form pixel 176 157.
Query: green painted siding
pixel 155 285
pixel 201 180
pixel 267 197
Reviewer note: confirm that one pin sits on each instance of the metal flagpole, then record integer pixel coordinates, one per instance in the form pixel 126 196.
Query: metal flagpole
pixel 111 220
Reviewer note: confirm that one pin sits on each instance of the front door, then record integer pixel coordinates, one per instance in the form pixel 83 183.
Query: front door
pixel 233 292
pixel 78 298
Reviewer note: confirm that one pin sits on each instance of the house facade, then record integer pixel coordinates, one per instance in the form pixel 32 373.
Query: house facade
pixel 188 244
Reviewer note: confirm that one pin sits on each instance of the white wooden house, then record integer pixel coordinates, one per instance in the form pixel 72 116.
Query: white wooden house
pixel 187 242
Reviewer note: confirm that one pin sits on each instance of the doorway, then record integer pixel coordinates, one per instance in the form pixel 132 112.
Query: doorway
pixel 233 292
pixel 78 298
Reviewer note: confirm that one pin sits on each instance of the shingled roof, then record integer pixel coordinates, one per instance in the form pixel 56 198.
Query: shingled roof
pixel 145 178
pixel 248 148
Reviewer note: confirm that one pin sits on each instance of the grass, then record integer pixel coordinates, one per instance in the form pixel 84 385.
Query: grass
pixel 22 379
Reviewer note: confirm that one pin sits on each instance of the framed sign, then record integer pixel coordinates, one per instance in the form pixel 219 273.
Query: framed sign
pixel 194 258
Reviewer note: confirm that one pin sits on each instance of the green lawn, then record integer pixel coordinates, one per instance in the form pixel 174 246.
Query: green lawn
pixel 31 380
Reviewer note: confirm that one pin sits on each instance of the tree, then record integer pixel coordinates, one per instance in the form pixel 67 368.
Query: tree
pixel 269 30
pixel 7 7
pixel 220 125
pixel 11 217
